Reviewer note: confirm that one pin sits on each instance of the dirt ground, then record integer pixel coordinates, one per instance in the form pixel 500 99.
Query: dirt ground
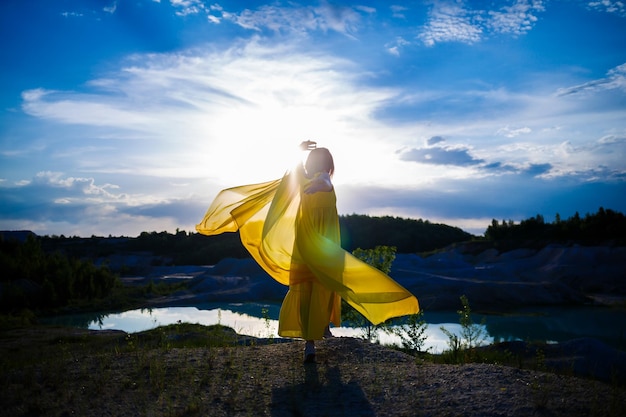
pixel 65 372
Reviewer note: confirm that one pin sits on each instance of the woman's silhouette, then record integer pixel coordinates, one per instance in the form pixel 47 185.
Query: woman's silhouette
pixel 291 228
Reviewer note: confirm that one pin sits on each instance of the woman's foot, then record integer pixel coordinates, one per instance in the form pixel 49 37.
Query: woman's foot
pixel 309 352
pixel 327 333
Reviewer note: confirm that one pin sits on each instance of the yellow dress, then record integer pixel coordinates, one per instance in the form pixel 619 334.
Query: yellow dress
pixel 295 238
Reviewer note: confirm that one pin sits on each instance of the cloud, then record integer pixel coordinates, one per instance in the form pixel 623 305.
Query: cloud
pixel 512 132
pixel 188 7
pixel 440 156
pixel 394 47
pixel 247 103
pixel 515 197
pixel 50 196
pixel 277 18
pixel 516 19
pixel 615 80
pixel 536 170
pixel 338 18
pixel 85 109
pixel 518 170
pixel 454 22
pixel 52 201
pixel 461 157
pixel 110 9
pixel 72 14
pixel 612 139
pixel 610 6
pixel 434 140
pixel 449 22
pixel 300 19
pixel 398 11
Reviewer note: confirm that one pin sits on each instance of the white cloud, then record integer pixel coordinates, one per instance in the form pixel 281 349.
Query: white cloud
pixel 54 203
pixel 516 19
pixel 111 9
pixel 246 104
pixel 612 139
pixel 74 187
pixel 188 7
pixel 450 22
pixel 300 19
pixel 93 110
pixel 398 11
pixel 513 132
pixel 615 80
pixel 455 22
pixel 72 14
pixel 394 47
pixel 440 155
pixel 610 6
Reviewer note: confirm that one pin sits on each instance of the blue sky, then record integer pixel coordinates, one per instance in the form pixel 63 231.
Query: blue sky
pixel 118 117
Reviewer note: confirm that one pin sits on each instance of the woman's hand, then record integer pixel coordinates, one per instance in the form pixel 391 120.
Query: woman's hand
pixel 307 145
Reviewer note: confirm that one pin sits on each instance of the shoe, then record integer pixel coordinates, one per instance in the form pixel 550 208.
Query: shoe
pixel 309 353
pixel 327 333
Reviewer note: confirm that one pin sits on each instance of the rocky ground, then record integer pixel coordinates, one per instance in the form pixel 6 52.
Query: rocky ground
pixel 65 372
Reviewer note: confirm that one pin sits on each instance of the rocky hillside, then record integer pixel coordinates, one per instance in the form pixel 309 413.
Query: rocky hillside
pixel 552 275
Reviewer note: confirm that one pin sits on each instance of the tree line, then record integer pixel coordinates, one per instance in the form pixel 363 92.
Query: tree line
pixel 184 248
pixel 406 235
pixel 605 225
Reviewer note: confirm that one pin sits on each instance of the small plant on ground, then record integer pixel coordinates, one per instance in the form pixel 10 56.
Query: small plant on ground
pixel 412 334
pixel 455 345
pixel 472 334
pixel 265 314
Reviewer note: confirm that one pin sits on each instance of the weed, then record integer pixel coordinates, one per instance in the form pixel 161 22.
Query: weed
pixel 463 346
pixel 266 319
pixel 540 392
pixel 413 333
pixel 454 354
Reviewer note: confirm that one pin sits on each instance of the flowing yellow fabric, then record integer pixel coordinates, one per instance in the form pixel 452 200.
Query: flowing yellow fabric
pixel 295 238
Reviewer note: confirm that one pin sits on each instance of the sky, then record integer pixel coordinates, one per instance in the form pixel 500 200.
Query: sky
pixel 118 117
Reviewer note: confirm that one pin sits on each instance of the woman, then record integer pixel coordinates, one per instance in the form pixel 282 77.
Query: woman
pixel 291 228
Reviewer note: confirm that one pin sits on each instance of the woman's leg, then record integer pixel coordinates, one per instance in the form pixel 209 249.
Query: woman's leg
pixel 309 351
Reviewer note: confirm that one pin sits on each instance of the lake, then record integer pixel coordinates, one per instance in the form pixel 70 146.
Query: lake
pixel 547 324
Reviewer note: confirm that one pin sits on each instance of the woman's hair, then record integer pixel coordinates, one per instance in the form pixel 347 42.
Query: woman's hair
pixel 319 160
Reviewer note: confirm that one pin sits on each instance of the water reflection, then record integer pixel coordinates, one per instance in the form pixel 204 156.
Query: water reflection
pixel 261 320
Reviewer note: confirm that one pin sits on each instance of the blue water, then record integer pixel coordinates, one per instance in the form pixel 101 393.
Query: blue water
pixel 547 324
